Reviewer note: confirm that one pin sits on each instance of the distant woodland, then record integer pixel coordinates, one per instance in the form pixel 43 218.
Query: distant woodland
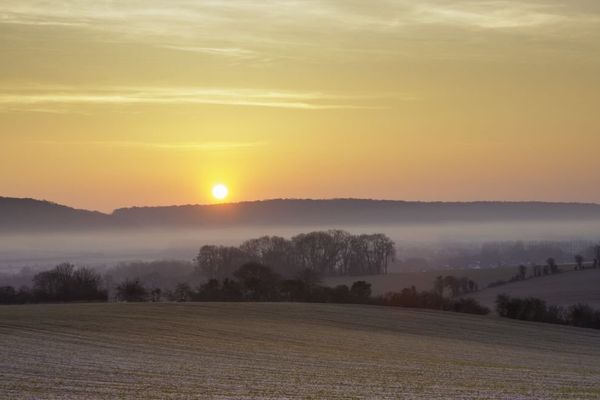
pixel 30 214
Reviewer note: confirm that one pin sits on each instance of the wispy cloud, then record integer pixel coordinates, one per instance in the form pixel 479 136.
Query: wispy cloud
pixel 491 14
pixel 182 96
pixel 217 51
pixel 239 28
pixel 179 146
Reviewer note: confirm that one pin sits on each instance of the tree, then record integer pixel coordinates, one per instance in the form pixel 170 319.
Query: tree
pixel 453 284
pixel 503 305
pixel 473 287
pixel 182 293
pixel 210 291
pixel 579 262
pixel 470 306
pixel 581 315
pixel 66 283
pixel 231 290
pixel 309 278
pixel 360 291
pixel 271 250
pixel 87 285
pixel 522 272
pixel 341 294
pixel 438 285
pixel 155 295
pixel 131 291
pixel 54 285
pixel 293 290
pixel 8 295
pixel 217 262
pixel 258 282
pixel 553 267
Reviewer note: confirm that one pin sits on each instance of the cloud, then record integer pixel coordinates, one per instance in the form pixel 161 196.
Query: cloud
pixel 186 146
pixel 183 96
pixel 217 51
pixel 491 14
pixel 180 146
pixel 205 26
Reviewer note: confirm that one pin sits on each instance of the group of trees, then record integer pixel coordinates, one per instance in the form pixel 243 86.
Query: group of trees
pixel 327 253
pixel 456 286
pixel 550 268
pixel 253 282
pixel 257 282
pixel 163 274
pixel 444 296
pixel 580 260
pixel 506 253
pixel 534 309
pixel 410 297
pixel 64 283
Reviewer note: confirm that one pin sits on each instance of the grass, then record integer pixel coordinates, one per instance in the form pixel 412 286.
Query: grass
pixel 292 351
pixel 562 289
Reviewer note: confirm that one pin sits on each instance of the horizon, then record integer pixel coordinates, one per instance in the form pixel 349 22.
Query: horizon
pixel 225 203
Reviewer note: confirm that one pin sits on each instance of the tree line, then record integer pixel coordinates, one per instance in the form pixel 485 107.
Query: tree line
pixel 327 253
pixel 257 282
pixel 506 253
pixel 64 283
pixel 410 297
pixel 252 281
pixel 456 286
pixel 549 268
pixel 534 309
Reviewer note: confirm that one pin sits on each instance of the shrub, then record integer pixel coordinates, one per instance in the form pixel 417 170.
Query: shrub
pixel 132 291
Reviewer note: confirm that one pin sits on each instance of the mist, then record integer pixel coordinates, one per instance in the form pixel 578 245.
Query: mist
pixel 105 248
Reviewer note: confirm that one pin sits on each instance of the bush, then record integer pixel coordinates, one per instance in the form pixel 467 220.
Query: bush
pixel 132 291
pixel 409 297
pixel 470 306
pixel 533 309
pixel 360 291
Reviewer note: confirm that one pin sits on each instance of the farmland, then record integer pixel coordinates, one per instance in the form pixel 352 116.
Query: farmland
pixel 287 350
pixel 394 282
pixel 562 289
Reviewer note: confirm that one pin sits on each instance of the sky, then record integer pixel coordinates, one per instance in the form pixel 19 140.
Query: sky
pixel 105 104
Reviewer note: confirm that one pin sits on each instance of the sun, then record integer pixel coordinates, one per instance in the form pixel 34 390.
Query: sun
pixel 220 191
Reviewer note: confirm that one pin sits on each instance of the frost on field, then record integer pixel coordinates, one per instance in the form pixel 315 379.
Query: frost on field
pixel 287 351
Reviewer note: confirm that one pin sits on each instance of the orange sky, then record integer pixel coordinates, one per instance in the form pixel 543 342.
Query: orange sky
pixel 109 104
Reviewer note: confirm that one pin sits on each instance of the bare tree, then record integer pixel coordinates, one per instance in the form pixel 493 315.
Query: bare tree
pixel 579 262
pixel 522 272
pixel 552 266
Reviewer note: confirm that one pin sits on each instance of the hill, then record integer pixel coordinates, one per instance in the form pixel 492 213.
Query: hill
pixel 293 351
pixel 29 214
pixel 354 211
pixel 562 289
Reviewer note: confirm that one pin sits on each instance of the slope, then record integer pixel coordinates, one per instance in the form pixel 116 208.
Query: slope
pixel 293 351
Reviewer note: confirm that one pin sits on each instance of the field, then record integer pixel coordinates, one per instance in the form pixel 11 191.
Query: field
pixel 291 351
pixel 563 289
pixel 395 282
